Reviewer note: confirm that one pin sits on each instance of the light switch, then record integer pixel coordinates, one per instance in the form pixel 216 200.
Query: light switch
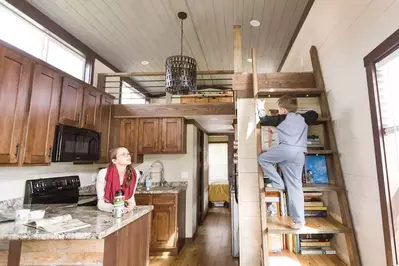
pixel 184 175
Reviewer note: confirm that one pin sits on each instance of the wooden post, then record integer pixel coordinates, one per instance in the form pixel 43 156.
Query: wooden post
pixel 237 48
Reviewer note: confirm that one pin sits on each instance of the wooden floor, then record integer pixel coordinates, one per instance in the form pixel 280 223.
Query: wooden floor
pixel 212 245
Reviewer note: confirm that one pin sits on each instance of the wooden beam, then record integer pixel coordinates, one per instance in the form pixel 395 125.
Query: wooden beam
pixel 157 74
pixel 172 110
pixel 275 80
pixel 254 74
pixel 237 35
pixel 195 123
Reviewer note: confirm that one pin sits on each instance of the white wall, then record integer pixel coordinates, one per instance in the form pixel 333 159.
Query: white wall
pixel 176 167
pixel 344 32
pixel 218 162
pixel 12 179
pixel 99 68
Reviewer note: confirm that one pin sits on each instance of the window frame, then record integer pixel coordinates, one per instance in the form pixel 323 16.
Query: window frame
pixel 387 47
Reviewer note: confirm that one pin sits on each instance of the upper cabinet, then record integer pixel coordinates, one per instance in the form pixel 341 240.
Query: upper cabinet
pixel 105 124
pixel 15 76
pixel 161 135
pixel 43 115
pixel 91 108
pixel 128 138
pixel 71 102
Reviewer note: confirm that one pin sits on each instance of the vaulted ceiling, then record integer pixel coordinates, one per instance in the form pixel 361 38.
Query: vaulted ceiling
pixel 126 32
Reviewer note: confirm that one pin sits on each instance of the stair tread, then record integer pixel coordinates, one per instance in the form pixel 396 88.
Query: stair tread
pixel 311 187
pixel 299 92
pixel 314 225
pixel 320 152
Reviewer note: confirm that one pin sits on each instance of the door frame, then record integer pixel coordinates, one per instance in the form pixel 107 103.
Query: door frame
pixel 388 46
pixel 200 177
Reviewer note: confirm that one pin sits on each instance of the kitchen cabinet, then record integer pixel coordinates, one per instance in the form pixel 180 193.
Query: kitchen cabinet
pixel 148 136
pixel 128 138
pixel 172 135
pixel 43 115
pixel 105 124
pixel 168 221
pixel 91 108
pixel 71 102
pixel 15 77
pixel 161 136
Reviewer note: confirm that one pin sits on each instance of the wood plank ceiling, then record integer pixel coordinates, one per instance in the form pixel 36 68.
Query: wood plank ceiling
pixel 126 32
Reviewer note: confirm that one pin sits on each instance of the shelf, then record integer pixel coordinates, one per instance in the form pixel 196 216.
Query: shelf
pixel 312 188
pixel 299 92
pixel 314 225
pixel 290 258
pixel 319 152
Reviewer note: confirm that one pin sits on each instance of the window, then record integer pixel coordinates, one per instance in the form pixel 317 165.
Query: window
pixel 32 38
pixel 130 95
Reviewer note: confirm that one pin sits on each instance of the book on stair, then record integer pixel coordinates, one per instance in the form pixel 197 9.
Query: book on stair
pixel 58 224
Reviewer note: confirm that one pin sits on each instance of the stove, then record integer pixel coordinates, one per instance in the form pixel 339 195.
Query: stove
pixel 57 190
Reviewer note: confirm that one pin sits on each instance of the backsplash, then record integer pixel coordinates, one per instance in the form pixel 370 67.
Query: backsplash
pixel 15 177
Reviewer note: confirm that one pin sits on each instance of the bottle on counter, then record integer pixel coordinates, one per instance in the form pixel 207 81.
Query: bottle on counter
pixel 148 182
pixel 119 204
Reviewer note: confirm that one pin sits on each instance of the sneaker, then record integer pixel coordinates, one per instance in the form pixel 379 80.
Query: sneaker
pixel 297 226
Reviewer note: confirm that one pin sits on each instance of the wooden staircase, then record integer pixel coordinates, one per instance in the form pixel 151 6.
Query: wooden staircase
pixel 308 84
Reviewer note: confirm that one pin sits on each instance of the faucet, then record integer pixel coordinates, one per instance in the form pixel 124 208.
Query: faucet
pixel 162 181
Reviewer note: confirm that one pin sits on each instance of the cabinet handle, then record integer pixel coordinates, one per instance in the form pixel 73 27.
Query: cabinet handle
pixel 50 151
pixel 17 150
pixel 78 117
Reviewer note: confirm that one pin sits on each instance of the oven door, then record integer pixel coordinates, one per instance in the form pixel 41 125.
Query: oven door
pixel 76 144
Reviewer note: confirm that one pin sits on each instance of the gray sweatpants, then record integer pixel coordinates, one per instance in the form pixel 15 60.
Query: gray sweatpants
pixel 291 162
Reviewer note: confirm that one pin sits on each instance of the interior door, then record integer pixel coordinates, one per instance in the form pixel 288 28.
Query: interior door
pixel 71 102
pixel 15 77
pixel 43 115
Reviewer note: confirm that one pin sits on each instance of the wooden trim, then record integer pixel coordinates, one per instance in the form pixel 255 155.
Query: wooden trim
pixel 157 74
pixel 384 49
pixel 14 253
pixel 296 32
pixel 237 50
pixel 254 74
pixel 171 110
pixel 191 240
pixel 380 165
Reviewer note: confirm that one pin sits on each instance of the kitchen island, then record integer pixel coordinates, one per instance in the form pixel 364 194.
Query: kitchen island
pixel 108 241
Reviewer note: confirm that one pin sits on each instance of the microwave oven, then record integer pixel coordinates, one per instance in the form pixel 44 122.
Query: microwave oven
pixel 72 144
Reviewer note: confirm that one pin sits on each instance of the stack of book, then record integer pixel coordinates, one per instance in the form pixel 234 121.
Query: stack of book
pixel 314 206
pixel 313 244
pixel 313 140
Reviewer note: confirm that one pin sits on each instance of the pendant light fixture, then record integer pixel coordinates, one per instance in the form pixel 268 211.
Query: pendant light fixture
pixel 181 70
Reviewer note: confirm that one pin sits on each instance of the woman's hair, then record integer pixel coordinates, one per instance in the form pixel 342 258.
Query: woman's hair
pixel 129 168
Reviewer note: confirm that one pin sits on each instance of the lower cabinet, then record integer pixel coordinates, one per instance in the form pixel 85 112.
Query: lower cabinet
pixel 168 221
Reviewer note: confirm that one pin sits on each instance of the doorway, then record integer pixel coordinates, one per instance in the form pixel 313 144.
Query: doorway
pixel 382 68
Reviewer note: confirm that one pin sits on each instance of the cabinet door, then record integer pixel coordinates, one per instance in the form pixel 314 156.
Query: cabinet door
pixel 15 77
pixel 71 102
pixel 128 136
pixel 142 199
pixel 91 109
pixel 163 226
pixel 172 135
pixel 43 115
pixel 148 136
pixel 105 124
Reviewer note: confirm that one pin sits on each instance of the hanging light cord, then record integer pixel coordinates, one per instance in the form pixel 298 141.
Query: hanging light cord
pixel 181 38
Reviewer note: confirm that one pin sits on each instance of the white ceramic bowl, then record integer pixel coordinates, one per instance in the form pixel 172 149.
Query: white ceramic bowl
pixel 38 214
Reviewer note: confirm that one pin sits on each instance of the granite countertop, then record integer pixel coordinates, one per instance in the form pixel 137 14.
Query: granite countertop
pixel 102 224
pixel 173 187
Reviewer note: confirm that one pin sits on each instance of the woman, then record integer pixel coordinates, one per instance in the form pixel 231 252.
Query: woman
pixel 118 175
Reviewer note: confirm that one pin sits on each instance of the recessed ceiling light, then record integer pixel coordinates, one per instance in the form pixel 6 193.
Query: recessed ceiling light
pixel 249 60
pixel 144 63
pixel 254 23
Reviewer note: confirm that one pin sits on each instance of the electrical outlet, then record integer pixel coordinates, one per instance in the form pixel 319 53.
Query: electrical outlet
pixel 184 175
